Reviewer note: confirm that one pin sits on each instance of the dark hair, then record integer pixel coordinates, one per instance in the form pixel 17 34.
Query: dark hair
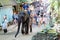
pixel 41 15
pixel 50 13
pixel 21 5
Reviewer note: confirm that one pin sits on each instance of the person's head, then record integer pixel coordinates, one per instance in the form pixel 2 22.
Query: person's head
pixel 21 6
pixel 31 7
pixel 41 15
pixel 22 3
pixel 25 3
pixel 5 17
pixel 14 12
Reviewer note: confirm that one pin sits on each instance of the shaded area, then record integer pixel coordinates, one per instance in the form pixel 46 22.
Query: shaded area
pixel 9 33
pixel 44 36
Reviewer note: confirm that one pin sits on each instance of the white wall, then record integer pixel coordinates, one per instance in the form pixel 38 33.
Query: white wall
pixel 6 10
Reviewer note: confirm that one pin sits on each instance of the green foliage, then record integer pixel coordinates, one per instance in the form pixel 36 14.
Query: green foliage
pixel 20 1
pixel 59 3
pixel 51 31
pixel 54 4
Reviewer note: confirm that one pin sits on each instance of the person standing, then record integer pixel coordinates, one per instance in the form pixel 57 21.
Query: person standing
pixel 30 19
pixel 4 24
pixel 15 17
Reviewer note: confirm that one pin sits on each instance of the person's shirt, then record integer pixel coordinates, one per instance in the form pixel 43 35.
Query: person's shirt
pixel 4 24
pixel 25 6
pixel 33 13
pixel 15 16
pixel 29 12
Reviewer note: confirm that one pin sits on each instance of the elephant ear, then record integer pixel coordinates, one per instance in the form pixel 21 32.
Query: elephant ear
pixel 26 15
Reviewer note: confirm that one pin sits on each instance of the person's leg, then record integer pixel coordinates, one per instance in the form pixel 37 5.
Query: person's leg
pixel 23 25
pixel 30 28
pixel 22 29
pixel 36 21
pixel 31 25
pixel 39 24
pixel 26 29
pixel 27 26
pixel 44 23
pixel 19 22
